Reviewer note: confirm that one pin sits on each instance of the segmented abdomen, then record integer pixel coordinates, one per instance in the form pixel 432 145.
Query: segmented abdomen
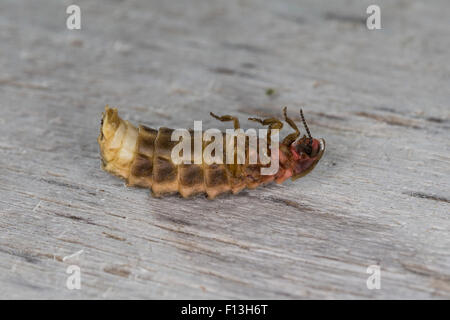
pixel 142 156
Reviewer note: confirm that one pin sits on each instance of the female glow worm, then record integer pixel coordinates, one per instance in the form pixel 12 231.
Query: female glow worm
pixel 142 156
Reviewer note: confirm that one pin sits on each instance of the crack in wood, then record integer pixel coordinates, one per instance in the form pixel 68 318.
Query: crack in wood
pixel 423 195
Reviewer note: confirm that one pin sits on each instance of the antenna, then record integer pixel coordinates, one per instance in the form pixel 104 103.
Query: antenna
pixel 305 125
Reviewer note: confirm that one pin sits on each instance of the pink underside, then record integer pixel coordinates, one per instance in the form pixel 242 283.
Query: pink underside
pixel 284 172
pixel 282 175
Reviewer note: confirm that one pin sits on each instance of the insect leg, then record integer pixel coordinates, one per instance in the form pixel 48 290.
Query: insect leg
pixel 293 136
pixel 273 123
pixel 234 168
pixel 227 118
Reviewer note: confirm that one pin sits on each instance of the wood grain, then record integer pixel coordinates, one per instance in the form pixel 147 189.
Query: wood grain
pixel 380 195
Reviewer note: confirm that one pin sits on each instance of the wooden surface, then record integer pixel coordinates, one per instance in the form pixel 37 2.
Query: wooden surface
pixel 379 196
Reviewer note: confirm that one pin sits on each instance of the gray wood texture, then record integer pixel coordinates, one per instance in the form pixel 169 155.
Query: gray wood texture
pixel 379 196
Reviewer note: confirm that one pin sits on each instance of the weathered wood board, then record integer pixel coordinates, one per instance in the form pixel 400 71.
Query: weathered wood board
pixel 380 196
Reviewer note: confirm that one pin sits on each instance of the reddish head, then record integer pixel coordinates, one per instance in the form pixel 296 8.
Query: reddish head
pixel 306 153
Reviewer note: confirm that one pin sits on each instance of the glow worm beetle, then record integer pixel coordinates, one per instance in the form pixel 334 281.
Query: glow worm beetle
pixel 142 156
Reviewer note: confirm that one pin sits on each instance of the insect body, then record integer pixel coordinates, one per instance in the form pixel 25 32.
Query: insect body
pixel 142 156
